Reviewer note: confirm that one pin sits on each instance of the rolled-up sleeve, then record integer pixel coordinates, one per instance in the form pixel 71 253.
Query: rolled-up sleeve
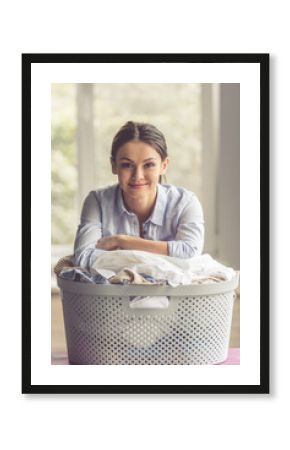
pixel 88 233
pixel 189 239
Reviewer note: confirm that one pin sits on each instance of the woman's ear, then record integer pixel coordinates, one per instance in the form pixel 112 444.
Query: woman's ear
pixel 164 165
pixel 114 167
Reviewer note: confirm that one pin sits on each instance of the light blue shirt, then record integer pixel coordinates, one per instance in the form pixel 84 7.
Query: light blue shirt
pixel 177 218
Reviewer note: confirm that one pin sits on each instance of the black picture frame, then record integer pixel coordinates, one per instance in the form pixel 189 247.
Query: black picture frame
pixel 245 58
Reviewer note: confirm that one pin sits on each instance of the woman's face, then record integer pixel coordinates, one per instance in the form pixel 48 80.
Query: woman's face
pixel 138 166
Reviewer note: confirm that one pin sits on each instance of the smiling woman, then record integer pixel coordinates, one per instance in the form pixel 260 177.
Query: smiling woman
pixel 139 168
pixel 139 213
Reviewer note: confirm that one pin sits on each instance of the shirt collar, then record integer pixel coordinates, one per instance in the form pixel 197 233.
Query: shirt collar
pixel 159 208
pixel 120 203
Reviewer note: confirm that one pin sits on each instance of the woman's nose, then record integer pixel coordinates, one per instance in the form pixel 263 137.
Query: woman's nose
pixel 138 173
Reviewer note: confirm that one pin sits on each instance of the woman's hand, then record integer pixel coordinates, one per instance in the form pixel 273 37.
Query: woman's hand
pixel 109 242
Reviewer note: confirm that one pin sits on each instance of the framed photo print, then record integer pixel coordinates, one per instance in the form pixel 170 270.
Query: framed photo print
pixel 145 224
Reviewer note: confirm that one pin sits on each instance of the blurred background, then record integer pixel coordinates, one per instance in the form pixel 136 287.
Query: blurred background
pixel 201 123
pixel 201 126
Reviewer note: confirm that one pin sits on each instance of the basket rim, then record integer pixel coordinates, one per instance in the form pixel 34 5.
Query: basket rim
pixel 91 289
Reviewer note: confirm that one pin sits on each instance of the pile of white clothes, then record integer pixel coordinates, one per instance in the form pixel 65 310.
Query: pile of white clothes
pixel 197 270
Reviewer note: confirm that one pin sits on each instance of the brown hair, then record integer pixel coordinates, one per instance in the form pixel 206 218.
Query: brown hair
pixel 138 131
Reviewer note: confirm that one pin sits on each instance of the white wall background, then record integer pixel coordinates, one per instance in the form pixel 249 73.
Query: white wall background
pixel 201 421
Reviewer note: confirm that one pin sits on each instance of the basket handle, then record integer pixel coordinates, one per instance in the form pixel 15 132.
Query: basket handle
pixel 149 310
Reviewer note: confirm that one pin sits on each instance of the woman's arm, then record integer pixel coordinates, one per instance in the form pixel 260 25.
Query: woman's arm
pixel 124 242
pixel 189 238
pixel 89 231
pixel 186 243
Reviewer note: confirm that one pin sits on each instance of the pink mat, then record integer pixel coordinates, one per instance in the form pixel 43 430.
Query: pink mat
pixel 60 358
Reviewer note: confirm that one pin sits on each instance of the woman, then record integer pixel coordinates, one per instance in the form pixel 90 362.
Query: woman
pixel 139 213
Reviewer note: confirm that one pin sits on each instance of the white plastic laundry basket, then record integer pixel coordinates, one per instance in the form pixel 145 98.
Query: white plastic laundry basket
pixel 101 328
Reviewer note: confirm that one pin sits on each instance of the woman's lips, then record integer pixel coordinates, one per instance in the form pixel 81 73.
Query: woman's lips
pixel 137 186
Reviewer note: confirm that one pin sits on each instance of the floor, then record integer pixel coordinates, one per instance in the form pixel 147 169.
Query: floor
pixel 58 343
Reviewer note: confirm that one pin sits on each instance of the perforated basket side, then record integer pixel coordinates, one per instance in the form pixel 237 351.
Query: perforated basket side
pixel 102 330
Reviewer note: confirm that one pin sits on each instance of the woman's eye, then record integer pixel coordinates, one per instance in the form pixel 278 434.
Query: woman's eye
pixel 127 165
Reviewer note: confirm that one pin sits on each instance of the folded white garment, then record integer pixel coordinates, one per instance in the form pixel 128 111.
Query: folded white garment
pixel 128 275
pixel 196 270
pixel 158 302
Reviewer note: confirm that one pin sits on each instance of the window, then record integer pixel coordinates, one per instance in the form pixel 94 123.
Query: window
pixel 64 177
